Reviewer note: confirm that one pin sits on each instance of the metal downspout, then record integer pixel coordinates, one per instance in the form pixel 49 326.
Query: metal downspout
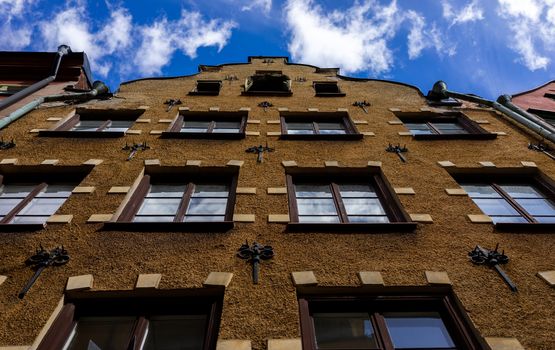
pixel 439 90
pixel 99 88
pixel 505 100
pixel 62 51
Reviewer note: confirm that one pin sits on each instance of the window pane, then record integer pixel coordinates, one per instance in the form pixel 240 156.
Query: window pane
pixel 481 191
pixel 450 128
pixel 521 191
pixel 153 218
pixel 211 191
pixel 369 219
pixel 357 191
pixel 88 125
pixel 322 219
pixel 29 219
pixel 7 204
pixel 229 126
pixel 16 191
pixel 537 206
pixel 60 191
pixel 175 332
pixel 546 219
pixel 363 206
pixel 420 330
pixel 42 206
pixel 300 128
pixel 508 219
pixel 165 191
pixel 118 125
pixel 320 206
pixel 195 126
pixel 107 333
pixel 300 132
pixel 495 207
pixel 203 218
pixel 419 128
pixel 331 128
pixel 207 206
pixel 313 191
pixel 344 331
pixel 159 206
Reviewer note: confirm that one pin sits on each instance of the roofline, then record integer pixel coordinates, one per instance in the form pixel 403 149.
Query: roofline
pixel 534 89
pixel 287 63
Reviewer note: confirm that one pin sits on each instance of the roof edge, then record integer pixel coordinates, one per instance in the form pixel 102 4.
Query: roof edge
pixel 533 89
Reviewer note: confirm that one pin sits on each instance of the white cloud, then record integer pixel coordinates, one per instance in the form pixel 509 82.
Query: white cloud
pixel 354 40
pixel 472 12
pixel 265 5
pixel 14 35
pixel 116 35
pixel 160 40
pixel 14 8
pixel 532 24
pixel 420 37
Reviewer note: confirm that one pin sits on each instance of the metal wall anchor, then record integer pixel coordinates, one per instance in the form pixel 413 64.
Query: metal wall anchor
pixel 134 148
pixel 41 260
pixel 492 258
pixel 399 150
pixel 265 105
pixel 171 102
pixel 6 145
pixel 254 253
pixel 362 104
pixel 541 147
pixel 260 151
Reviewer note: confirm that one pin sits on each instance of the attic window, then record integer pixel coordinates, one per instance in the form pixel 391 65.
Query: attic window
pixel 267 82
pixel 327 89
pixel 207 87
pixel 548 116
pixel 446 102
pixel 10 89
pixel 550 95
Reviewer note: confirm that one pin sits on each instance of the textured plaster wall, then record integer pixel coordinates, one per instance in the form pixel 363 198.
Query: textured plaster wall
pixel 269 310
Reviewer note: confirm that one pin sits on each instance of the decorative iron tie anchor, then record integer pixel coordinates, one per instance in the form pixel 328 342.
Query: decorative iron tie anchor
pixel 134 148
pixel 492 258
pixel 6 145
pixel 254 253
pixel 362 104
pixel 265 105
pixel 171 102
pixel 541 147
pixel 399 150
pixel 41 260
pixel 260 151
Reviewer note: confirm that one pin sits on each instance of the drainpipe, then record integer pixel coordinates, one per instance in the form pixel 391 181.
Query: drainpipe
pixel 505 100
pixel 439 91
pixel 99 89
pixel 62 51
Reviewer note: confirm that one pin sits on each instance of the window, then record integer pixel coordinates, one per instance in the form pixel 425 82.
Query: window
pixel 550 95
pixel 10 89
pixel 548 116
pixel 207 87
pixel 181 198
pixel 511 198
pixel 319 125
pixel 327 89
pixel 385 318
pixel 448 125
pixel 208 125
pixel 94 123
pixel 268 83
pixel 161 319
pixel 337 199
pixel 29 195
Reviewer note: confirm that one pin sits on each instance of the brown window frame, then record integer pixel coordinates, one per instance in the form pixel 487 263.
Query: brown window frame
pixel 201 92
pixel 168 174
pixel 174 130
pixel 526 176
pixel 440 299
pixel 400 221
pixel 474 130
pixel 40 176
pixel 352 132
pixel 152 302
pixel 63 128
pixel 264 74
pixel 315 85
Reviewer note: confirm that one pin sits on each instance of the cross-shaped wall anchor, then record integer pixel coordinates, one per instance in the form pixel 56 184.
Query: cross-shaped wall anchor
pixel 40 261
pixel 362 104
pixel 492 258
pixel 399 150
pixel 265 105
pixel 259 150
pixel 541 147
pixel 6 145
pixel 134 148
pixel 171 102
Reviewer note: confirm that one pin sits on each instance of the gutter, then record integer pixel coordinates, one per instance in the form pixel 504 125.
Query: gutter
pixel 62 51
pixel 503 105
pixel 99 89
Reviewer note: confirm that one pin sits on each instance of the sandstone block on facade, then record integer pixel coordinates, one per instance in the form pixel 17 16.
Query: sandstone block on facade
pixel 446 164
pixel 246 190
pixel 119 190
pixel 498 343
pixel 218 279
pixel 237 163
pixel 368 133
pixel 243 217
pixel 9 161
pixel 370 278
pixel 456 192
pixel 404 190
pixel 289 163
pixel 404 133
pixel 283 109
pixel 50 161
pixel 233 344
pixel 142 121
pixel 375 163
pixel 304 278
pixel 252 133
pixel 331 163
pixel 93 162
pixel 165 121
pixel 278 218
pixel 393 109
pixel 273 121
pixel 59 219
pixel 246 109
pixel 3 279
pixel 156 132
pixel 528 164
pixel 394 122
pixel 312 109
pixel 152 162
pixel 548 277
pixel 133 132
pixel 285 344
pixel 191 162
pixel 148 280
pixel 99 218
pixel 482 121
pixel 83 189
pixel 273 133
pixel 343 109
pixel 479 219
pixel 500 133
pixel 214 109
pixel 277 190
pixel 360 122
pixel 437 277
pixel 54 119
pixel 253 121
pixel 184 108
pixel 424 218
pixel 487 164
pixel 81 282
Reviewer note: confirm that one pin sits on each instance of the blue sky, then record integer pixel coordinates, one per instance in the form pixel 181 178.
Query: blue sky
pixel 486 47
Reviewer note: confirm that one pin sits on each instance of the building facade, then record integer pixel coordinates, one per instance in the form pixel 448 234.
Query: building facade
pixel 152 192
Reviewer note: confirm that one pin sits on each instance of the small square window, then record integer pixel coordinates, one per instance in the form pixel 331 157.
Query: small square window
pixel 444 126
pixel 318 126
pixel 327 89
pixel 344 199
pixel 207 87
pixel 174 198
pixel 385 318
pixel 94 123
pixel 268 83
pixel 208 125
pixel 511 199
pixel 164 319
